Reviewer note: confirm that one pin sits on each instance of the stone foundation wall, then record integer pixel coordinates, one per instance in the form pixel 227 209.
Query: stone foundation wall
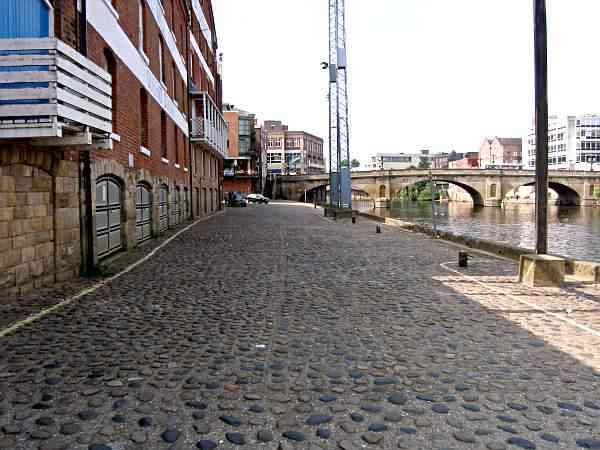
pixel 39 220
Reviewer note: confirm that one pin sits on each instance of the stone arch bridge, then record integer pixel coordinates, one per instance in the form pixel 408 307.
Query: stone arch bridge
pixel 487 187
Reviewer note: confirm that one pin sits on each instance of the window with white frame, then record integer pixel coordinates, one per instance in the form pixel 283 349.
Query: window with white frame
pixel 141 25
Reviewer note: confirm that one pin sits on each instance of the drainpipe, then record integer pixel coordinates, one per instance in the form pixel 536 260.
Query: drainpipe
pixel 87 232
pixel 189 111
pixel 83 29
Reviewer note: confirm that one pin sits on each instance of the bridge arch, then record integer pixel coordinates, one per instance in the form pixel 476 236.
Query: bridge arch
pixel 476 196
pixel 567 196
pixel 319 194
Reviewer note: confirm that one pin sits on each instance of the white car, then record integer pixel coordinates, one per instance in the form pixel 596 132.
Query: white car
pixel 257 198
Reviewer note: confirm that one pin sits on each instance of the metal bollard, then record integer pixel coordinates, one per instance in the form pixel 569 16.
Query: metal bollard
pixel 463 259
pixel 377 228
pixel 354 220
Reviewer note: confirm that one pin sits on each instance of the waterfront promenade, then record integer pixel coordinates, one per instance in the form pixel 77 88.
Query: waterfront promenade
pixel 271 327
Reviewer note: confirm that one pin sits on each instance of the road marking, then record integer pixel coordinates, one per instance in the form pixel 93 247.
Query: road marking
pixel 35 317
pixel 523 302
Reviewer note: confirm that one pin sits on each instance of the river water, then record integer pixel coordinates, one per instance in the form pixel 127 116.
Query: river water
pixel 573 231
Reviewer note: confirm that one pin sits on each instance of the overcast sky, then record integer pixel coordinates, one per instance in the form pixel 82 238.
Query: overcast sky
pixel 434 74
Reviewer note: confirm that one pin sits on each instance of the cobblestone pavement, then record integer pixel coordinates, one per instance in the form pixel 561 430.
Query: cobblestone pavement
pixel 271 327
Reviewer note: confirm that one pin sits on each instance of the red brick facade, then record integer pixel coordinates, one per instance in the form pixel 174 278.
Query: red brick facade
pixel 149 146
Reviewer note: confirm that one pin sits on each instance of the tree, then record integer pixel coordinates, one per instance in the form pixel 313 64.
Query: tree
pixel 355 163
pixel 424 164
pixel 344 163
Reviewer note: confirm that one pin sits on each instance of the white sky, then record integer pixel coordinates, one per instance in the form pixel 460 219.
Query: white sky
pixel 435 74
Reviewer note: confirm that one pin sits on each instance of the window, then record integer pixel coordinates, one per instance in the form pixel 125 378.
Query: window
pixel 163 135
pixel 174 87
pixel 163 207
pixel 143 213
pixel 141 26
pixel 110 65
pixel 161 60
pixel 176 131
pixel 108 216
pixel 143 118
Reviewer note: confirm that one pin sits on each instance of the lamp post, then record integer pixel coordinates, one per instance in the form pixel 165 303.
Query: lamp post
pixel 541 126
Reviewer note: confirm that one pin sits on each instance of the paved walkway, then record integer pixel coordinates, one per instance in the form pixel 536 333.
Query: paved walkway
pixel 271 327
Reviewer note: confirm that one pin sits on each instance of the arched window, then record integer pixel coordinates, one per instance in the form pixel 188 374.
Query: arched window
pixel 108 216
pixel 110 65
pixel 143 213
pixel 163 207
pixel 176 205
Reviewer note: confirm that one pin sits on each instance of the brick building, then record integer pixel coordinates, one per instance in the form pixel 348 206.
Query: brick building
pixel 292 152
pixel 246 152
pixel 111 130
pixel 501 152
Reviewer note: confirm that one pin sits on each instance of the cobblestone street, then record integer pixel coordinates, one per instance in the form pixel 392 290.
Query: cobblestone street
pixel 270 327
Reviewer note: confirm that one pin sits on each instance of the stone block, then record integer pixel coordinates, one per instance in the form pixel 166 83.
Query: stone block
pixel 41 237
pixel 22 273
pixel 26 288
pixel 68 169
pixel 22 241
pixel 27 254
pixel 7 214
pixel 66 185
pixel 67 200
pixel 7 184
pixel 6 244
pixel 8 199
pixel 39 211
pixel 541 270
pixel 67 274
pixel 21 170
pixel 10 259
pixel 41 184
pixel 23 212
pixel 36 268
pixel 23 184
pixel 4 230
pixel 7 279
pixel 44 250
pixel 37 198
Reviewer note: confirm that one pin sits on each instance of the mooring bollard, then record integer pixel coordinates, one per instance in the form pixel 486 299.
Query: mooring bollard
pixel 377 228
pixel 463 259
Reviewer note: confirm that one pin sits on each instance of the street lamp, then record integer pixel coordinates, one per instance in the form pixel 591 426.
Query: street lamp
pixel 592 159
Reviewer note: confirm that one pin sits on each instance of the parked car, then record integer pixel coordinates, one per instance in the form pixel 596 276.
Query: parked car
pixel 257 198
pixel 236 199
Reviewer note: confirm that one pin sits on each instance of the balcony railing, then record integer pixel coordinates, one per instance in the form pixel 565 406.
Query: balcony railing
pixel 209 128
pixel 50 92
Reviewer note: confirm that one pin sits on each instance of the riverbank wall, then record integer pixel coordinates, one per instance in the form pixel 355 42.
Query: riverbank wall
pixel 582 270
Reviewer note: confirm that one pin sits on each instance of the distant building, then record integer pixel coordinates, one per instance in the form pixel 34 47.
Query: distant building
pixel 440 161
pixel 398 161
pixel 573 143
pixel 243 165
pixel 292 152
pixel 470 160
pixel 501 152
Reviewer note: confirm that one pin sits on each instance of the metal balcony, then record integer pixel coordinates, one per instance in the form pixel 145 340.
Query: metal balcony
pixel 209 128
pixel 52 94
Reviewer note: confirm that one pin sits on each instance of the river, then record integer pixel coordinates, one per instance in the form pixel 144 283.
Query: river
pixel 573 231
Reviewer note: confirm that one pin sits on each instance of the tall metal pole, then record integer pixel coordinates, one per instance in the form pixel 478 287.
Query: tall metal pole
pixel 541 126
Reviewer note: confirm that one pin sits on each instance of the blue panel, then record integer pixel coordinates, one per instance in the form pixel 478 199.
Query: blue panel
pixel 24 19
pixel 346 185
pixel 24 69
pixel 34 85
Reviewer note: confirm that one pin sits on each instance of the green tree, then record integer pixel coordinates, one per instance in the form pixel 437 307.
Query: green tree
pixel 598 193
pixel 344 163
pixel 355 163
pixel 424 164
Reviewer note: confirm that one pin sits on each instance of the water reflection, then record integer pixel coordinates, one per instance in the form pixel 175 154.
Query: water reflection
pixel 573 231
